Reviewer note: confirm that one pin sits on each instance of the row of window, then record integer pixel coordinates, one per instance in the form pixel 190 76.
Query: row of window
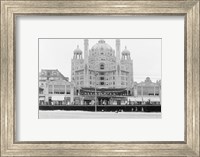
pixel 124 68
pixel 50 78
pixel 102 78
pixel 102 67
pixel 124 73
pixel 53 73
pixel 102 83
pixel 79 83
pixel 78 67
pixel 59 92
pixel 79 77
pixel 77 63
pixel 149 89
pixel 124 78
pixel 59 89
pixel 79 72
pixel 124 83
pixel 103 73
pixel 59 86
pixel 111 59
pixel 103 52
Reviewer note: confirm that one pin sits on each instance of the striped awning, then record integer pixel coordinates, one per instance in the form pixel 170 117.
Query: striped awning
pixel 58 98
pixel 106 90
pixel 145 98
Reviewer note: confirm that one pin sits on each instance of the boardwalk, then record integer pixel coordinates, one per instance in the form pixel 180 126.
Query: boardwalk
pixel 97 115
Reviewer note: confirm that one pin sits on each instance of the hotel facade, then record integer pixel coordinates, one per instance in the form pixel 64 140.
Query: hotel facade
pixel 100 73
pixel 102 67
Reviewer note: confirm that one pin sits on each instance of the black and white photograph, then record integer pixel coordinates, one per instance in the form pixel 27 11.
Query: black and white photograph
pixel 114 78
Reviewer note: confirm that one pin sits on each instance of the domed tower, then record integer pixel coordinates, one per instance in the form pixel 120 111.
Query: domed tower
pixel 127 70
pixel 77 65
pixel 126 54
pixel 78 53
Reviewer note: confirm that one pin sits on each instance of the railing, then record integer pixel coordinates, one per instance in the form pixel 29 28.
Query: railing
pixel 104 108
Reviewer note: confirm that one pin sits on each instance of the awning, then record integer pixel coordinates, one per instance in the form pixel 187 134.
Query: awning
pixel 41 98
pixel 89 98
pixel 134 98
pixel 145 98
pixel 106 90
pixel 58 98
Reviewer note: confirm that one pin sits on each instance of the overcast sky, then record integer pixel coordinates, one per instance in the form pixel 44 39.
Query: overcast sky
pixel 146 55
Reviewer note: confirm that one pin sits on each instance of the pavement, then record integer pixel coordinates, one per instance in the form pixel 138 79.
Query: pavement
pixel 97 115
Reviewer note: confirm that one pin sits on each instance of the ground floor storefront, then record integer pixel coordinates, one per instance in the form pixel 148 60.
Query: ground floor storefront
pixel 105 108
pixel 55 100
pixel 104 100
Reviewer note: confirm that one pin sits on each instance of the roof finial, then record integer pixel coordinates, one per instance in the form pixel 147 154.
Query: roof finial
pixel 77 46
pixel 125 47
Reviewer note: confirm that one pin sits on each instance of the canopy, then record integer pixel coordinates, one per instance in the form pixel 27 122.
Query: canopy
pixel 145 98
pixel 58 98
pixel 113 90
pixel 41 98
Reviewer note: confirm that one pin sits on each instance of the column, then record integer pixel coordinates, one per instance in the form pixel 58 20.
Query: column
pixel 135 91
pixel 142 93
pixel 65 89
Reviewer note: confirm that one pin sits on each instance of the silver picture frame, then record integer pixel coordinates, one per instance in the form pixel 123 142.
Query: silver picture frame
pixel 12 8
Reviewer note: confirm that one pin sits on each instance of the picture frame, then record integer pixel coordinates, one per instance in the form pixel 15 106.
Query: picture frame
pixel 11 9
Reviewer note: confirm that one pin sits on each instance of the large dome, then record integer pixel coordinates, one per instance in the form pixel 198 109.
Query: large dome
pixel 101 46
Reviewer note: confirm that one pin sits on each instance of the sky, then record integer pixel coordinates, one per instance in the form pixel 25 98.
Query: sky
pixel 145 53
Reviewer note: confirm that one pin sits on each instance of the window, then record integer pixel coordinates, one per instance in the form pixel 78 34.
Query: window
pixel 101 78
pixel 102 83
pixel 54 73
pixel 50 89
pixel 59 89
pixel 41 91
pixel 68 91
pixel 102 66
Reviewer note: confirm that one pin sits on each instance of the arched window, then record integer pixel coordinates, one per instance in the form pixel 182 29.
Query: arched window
pixel 102 66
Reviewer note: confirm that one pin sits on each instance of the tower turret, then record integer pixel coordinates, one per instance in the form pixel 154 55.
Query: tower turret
pixel 86 70
pixel 126 54
pixel 118 50
pixel 77 53
pixel 86 49
pixel 118 72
